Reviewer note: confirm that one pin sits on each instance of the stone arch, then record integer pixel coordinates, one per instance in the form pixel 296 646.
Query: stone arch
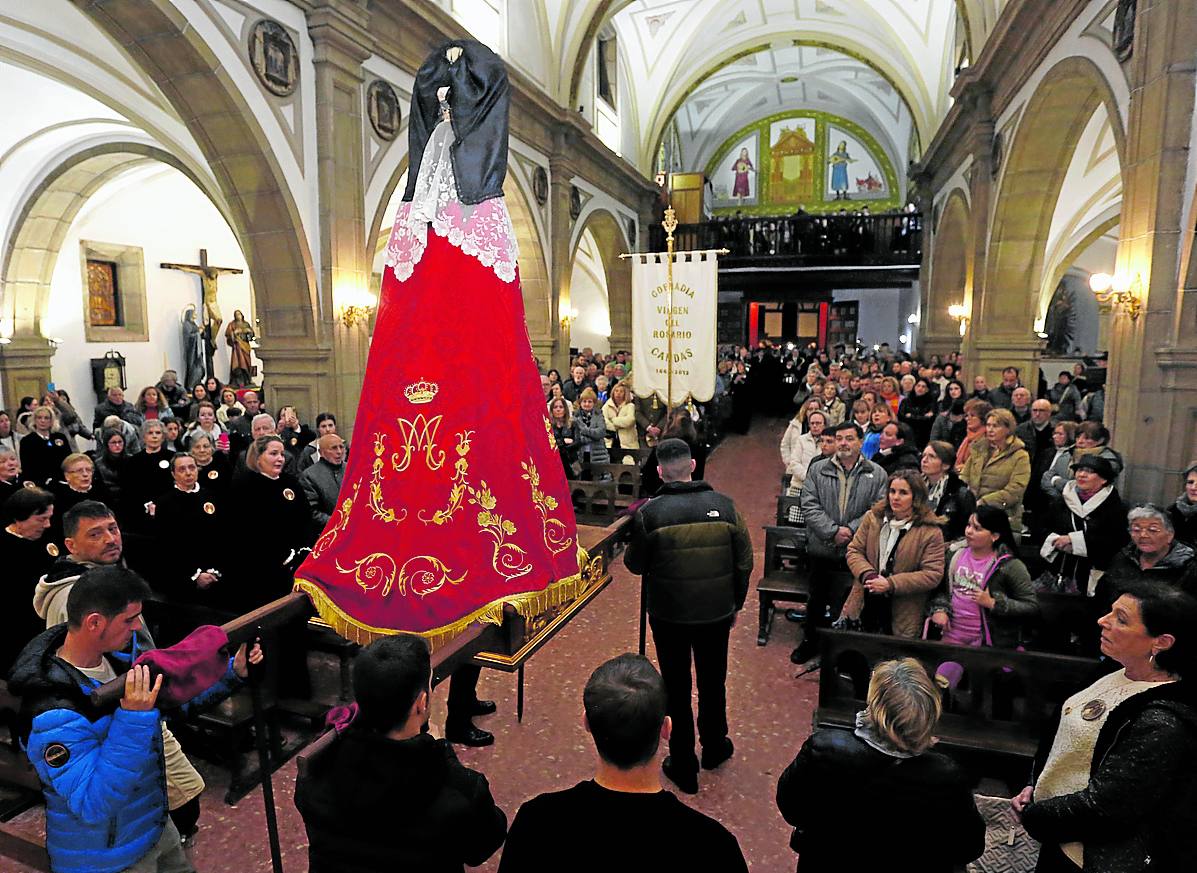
pixel 951 275
pixel 534 269
pixel 1077 244
pixel 262 212
pixel 39 228
pixel 610 241
pixel 1044 142
pixel 47 214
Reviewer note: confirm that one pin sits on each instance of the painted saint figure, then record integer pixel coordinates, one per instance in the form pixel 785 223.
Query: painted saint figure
pixel 839 170
pixel 193 348
pixel 742 167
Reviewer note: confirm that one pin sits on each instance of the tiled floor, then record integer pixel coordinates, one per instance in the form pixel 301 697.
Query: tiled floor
pixel 768 709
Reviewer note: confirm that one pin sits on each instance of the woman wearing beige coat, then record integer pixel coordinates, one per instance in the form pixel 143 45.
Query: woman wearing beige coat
pixel 620 414
pixel 998 468
pixel 896 558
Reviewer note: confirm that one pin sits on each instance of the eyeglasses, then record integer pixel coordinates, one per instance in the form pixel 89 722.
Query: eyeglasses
pixel 1141 531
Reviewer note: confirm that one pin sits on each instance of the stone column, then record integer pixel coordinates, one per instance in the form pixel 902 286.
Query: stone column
pixel 937 333
pixel 1001 330
pixel 1151 398
pixel 341 38
pixel 24 368
pixel 561 173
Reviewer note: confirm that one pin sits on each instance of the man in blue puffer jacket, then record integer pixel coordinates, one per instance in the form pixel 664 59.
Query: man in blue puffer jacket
pixel 103 772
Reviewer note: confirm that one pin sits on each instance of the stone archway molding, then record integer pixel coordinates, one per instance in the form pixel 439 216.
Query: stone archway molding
pixel 263 215
pixel 610 241
pixel 951 279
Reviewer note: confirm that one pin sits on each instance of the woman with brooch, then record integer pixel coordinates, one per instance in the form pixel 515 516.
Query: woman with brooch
pixel 1114 788
pixel 271 505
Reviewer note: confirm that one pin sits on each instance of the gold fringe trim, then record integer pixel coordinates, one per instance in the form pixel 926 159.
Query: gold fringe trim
pixel 527 604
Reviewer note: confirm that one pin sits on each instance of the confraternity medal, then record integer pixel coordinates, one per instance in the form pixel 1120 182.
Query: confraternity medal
pixel 288 493
pixel 210 509
pixel 213 474
pixel 164 464
pixel 1093 710
pixel 52 549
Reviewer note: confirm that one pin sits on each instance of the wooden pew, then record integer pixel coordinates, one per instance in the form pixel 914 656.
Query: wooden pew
pixel 594 502
pixel 786 577
pixel 1026 687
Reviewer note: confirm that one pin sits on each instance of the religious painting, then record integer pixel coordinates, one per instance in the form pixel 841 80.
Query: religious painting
pixel 103 294
pixel 734 182
pixel 382 105
pixel 274 57
pixel 853 172
pixel 792 160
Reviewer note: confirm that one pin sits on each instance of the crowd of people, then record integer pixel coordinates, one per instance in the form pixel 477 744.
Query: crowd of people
pixel 929 510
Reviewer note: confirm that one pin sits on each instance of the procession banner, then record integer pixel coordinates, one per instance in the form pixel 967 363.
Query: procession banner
pixel 692 320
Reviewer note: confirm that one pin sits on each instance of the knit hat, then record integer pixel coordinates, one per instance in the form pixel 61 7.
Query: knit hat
pixel 1099 465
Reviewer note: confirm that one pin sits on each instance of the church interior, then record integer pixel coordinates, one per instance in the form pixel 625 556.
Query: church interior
pixel 209 189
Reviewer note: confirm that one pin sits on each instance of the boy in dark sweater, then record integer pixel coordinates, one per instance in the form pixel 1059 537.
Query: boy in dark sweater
pixel 624 703
pixel 387 796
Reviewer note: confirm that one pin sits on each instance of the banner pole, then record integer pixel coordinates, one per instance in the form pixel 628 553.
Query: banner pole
pixel 670 225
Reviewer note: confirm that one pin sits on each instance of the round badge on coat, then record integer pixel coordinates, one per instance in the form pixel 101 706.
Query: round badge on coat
pixel 1093 710
pixel 56 755
pixel 210 509
pixel 294 441
pixel 52 549
pixel 288 493
pixel 59 441
pixel 164 464
pixel 30 484
pixel 213 474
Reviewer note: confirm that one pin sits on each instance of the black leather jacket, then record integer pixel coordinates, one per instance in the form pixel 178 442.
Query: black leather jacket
pixel 1138 810
pixel 479 101
pixel 956 505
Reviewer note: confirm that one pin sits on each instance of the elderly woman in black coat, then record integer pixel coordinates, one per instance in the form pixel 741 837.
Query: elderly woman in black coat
pixel 1113 789
pixel 1087 526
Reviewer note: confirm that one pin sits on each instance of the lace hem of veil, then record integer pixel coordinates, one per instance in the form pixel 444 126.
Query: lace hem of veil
pixel 483 231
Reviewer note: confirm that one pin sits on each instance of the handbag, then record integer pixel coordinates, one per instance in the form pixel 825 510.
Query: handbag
pixel 1008 846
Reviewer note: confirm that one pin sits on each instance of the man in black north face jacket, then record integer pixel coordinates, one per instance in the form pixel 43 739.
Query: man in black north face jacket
pixel 693 550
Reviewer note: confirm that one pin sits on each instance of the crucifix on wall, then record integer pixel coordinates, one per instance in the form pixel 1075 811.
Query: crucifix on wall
pixel 212 320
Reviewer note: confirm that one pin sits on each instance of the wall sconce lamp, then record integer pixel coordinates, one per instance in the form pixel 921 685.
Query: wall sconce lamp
pixel 356 305
pixel 1119 291
pixel 958 312
pixel 569 315
pixel 7 329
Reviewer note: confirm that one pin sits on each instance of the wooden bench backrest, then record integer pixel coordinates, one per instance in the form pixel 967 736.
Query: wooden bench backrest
pixel 1040 680
pixel 782 544
pixel 594 502
pixel 789 511
pixel 625 476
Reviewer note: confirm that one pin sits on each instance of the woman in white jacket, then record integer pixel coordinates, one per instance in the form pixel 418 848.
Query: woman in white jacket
pixel 620 414
pixel 798 449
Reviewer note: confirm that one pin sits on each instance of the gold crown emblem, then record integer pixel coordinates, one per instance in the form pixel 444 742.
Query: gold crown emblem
pixel 421 392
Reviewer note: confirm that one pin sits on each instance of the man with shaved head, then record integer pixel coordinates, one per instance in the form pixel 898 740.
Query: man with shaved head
pixel 322 481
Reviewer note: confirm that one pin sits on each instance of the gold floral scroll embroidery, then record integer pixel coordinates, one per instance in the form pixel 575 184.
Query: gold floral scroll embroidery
pixel 508 560
pixel 425 574
pixel 340 521
pixel 381 511
pixel 460 486
pixel 371 571
pixel 548 427
pixel 555 538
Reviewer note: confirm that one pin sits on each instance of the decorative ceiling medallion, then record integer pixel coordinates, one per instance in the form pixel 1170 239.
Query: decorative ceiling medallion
pixel 995 154
pixel 540 186
pixel 1124 29
pixel 382 105
pixel 274 57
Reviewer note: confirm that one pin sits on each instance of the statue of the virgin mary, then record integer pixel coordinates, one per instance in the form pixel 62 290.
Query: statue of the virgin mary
pixel 454 502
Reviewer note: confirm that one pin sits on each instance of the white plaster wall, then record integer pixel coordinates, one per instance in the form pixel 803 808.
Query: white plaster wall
pixel 160 210
pixel 588 294
pixel 881 318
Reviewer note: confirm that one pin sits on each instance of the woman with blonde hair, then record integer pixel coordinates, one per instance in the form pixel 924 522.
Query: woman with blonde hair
pixel 915 805
pixel 896 559
pixel 619 412
pixel 998 469
pixel 800 446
